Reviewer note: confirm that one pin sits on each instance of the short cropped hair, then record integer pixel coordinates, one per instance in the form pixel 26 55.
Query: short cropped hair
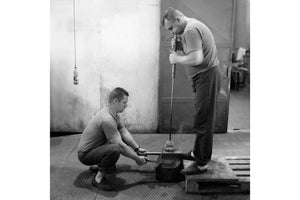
pixel 171 14
pixel 118 93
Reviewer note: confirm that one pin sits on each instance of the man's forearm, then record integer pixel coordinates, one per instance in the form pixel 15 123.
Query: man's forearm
pixel 126 151
pixel 128 139
pixel 193 58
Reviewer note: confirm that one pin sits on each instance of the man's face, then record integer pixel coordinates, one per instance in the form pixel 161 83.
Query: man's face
pixel 120 106
pixel 175 27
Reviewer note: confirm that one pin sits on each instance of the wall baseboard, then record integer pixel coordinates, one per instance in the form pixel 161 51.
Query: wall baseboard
pixel 59 134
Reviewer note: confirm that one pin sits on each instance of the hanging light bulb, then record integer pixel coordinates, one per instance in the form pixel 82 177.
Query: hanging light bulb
pixel 75 76
pixel 75 72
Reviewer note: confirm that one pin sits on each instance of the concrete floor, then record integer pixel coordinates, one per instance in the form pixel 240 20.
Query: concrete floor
pixel 69 179
pixel 239 109
pixel 72 180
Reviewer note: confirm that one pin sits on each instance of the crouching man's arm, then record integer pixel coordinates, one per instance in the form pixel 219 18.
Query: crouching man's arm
pixel 129 140
pixel 114 137
pixel 126 151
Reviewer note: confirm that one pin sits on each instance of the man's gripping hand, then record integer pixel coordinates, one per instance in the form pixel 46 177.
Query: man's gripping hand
pixel 176 44
pixel 140 151
pixel 141 160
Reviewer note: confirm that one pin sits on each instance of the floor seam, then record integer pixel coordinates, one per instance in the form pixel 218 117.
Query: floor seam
pixel 71 150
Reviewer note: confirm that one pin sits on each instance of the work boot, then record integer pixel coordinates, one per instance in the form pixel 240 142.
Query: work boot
pixel 188 156
pixel 194 169
pixel 103 185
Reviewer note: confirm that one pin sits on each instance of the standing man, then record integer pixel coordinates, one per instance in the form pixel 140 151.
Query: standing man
pixel 199 56
pixel 105 138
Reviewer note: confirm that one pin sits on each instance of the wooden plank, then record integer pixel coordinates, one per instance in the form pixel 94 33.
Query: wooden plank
pixel 242 173
pixel 240 167
pixel 237 157
pixel 238 162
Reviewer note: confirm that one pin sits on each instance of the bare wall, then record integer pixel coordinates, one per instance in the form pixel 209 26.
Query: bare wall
pixel 242 24
pixel 117 45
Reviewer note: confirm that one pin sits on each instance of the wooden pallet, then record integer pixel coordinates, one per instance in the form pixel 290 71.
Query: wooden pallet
pixel 241 167
pixel 225 175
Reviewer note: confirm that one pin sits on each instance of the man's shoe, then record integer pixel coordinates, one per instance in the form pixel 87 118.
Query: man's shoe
pixel 188 156
pixel 194 169
pixel 103 185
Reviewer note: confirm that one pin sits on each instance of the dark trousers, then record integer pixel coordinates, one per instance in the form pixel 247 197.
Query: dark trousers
pixel 104 156
pixel 206 86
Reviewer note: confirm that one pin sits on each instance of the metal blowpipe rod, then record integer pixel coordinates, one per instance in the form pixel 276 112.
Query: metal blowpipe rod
pixel 173 47
pixel 169 147
pixel 172 96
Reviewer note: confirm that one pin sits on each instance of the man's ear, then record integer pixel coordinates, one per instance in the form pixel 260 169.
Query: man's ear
pixel 115 100
pixel 177 19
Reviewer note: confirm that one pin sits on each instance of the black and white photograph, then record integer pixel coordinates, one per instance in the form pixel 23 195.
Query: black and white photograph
pixel 150 99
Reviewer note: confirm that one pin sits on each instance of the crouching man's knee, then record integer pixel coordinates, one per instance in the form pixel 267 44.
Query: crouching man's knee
pixel 115 151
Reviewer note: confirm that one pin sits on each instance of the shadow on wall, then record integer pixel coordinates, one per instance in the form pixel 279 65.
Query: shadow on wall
pixel 69 113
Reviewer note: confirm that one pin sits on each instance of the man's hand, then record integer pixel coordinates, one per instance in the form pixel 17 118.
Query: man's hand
pixel 173 43
pixel 176 45
pixel 141 150
pixel 141 160
pixel 174 57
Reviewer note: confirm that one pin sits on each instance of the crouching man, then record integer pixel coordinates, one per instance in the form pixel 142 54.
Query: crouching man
pixel 105 138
